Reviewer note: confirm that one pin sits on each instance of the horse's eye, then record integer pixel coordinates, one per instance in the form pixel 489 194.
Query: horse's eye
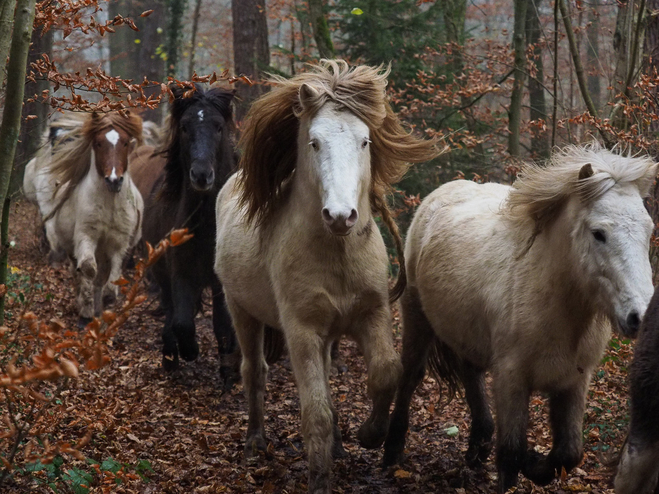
pixel 314 144
pixel 599 236
pixel 365 143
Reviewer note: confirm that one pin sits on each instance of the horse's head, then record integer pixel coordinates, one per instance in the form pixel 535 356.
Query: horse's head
pixel 113 139
pixel 201 126
pixel 615 230
pixel 336 146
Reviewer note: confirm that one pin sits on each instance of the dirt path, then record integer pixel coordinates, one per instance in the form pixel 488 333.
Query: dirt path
pixel 192 437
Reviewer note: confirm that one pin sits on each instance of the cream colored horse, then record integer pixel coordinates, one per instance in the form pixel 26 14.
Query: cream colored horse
pixel 298 248
pixel 525 281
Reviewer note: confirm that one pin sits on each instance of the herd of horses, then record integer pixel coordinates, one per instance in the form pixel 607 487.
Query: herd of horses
pixel 524 281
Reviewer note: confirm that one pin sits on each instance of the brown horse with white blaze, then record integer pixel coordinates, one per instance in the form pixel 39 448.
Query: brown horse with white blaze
pixel 92 211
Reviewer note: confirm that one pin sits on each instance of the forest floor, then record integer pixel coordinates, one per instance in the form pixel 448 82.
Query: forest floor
pixel 182 433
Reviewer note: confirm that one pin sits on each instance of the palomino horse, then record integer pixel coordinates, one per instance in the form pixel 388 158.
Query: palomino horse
pixel 180 186
pixel 638 469
pixel 525 281
pixel 298 248
pixel 92 211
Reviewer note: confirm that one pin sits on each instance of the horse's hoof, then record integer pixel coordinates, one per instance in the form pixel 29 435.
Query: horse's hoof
pixel 371 436
pixel 477 454
pixel 538 469
pixel 170 362
pixel 340 366
pixel 83 321
pixel 109 299
pixel 229 378
pixel 392 457
pixel 338 451
pixel 254 444
pixel 507 480
pixel 188 349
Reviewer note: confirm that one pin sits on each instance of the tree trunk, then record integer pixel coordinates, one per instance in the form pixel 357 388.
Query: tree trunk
pixel 321 31
pixel 131 60
pixel 175 11
pixel 251 52
pixel 592 57
pixel 193 40
pixel 32 129
pixel 537 103
pixel 651 43
pixel 515 109
pixel 11 116
pixel 121 43
pixel 7 8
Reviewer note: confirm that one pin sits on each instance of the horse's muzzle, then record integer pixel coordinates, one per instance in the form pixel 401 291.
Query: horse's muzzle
pixel 202 181
pixel 630 326
pixel 114 184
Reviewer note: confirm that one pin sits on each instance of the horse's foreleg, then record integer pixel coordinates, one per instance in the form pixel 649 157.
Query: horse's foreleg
pixel 512 402
pixel 84 298
pixel 309 361
pixel 110 290
pixel 375 338
pixel 186 294
pixel 337 446
pixel 254 370
pixel 566 409
pixel 85 251
pixel 418 338
pixel 482 425
pixel 226 337
pixel 169 344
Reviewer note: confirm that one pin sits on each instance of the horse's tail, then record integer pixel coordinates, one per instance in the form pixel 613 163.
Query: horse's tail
pixel 273 344
pixel 445 366
pixel 380 204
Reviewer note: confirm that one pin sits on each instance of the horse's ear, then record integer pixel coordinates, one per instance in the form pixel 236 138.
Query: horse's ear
pixel 307 95
pixel 177 90
pixel 586 171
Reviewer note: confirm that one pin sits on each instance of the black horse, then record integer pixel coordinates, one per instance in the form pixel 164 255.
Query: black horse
pixel 638 469
pixel 199 157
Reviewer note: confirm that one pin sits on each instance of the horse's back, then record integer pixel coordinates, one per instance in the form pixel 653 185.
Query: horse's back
pixel 458 251
pixel 145 168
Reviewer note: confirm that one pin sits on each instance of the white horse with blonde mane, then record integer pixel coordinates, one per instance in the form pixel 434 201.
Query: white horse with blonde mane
pixel 525 281
pixel 298 248
pixel 91 209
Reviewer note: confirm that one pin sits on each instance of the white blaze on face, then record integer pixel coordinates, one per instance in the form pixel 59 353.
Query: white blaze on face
pixel 200 114
pixel 112 137
pixel 113 175
pixel 340 159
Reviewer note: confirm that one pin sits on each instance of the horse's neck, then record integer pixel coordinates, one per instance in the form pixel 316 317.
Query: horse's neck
pixel 551 266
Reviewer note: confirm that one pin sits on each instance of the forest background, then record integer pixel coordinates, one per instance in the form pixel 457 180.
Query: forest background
pixel 498 81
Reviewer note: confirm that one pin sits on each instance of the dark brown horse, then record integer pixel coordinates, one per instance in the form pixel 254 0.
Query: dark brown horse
pixel 196 162
pixel 639 463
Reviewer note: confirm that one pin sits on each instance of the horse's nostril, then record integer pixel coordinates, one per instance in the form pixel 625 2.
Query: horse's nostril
pixel 633 321
pixel 327 217
pixel 352 219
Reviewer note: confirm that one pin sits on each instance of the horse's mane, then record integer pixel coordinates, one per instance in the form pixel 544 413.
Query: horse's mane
pixel 71 158
pixel 539 193
pixel 216 97
pixel 270 132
